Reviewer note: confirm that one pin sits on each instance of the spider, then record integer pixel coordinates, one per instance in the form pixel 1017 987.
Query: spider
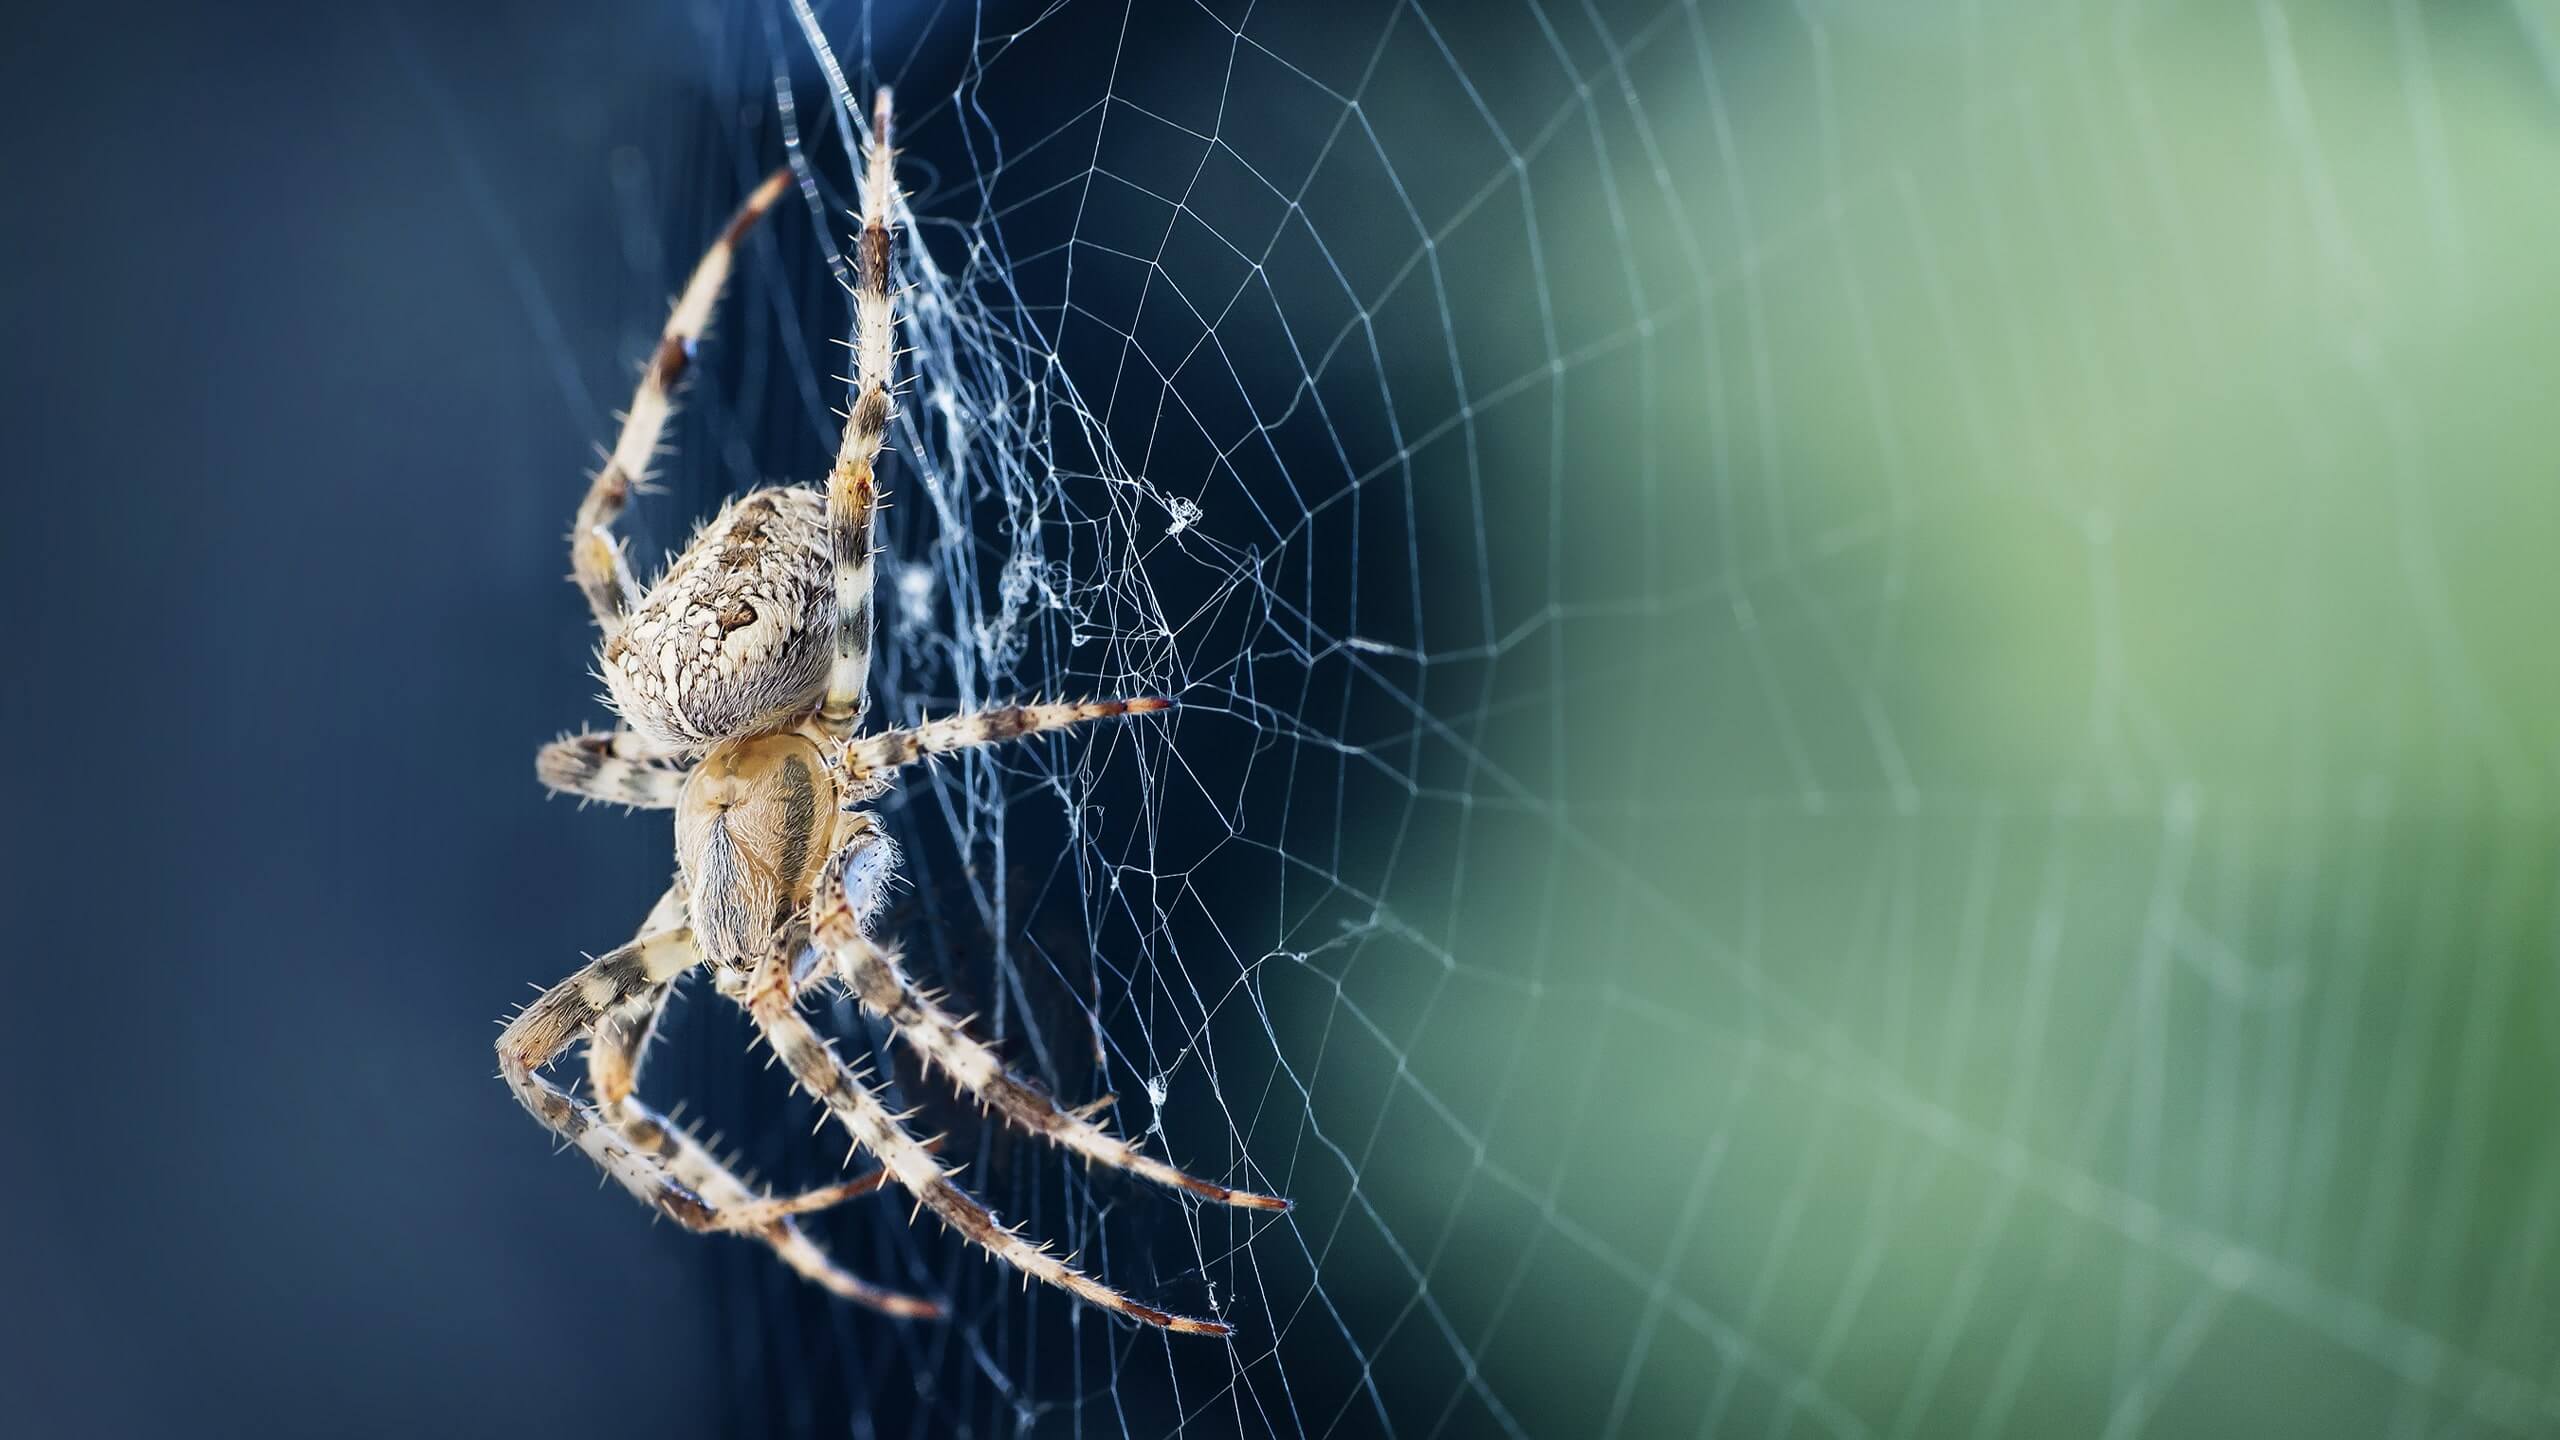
pixel 739 679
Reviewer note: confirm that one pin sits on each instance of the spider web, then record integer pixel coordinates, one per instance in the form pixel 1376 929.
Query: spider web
pixel 1858 747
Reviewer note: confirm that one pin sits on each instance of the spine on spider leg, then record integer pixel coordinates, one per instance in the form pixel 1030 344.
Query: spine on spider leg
pixel 852 491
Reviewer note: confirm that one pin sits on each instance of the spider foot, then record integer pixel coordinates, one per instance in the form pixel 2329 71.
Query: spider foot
pixel 758 1216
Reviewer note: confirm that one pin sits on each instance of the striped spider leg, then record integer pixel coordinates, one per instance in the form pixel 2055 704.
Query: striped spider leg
pixel 740 678
pixel 618 767
pixel 614 1004
pixel 942 1040
pixel 622 766
pixel 853 485
pixel 596 560
pixel 770 998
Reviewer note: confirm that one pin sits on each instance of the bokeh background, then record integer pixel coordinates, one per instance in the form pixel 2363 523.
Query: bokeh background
pixel 1868 742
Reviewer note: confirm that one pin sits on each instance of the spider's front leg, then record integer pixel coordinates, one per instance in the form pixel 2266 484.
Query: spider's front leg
pixel 615 1002
pixel 942 1039
pixel 769 995
pixel 573 1008
pixel 614 1051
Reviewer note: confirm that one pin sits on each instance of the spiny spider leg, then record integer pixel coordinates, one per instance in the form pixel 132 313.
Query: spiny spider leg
pixel 614 1051
pixel 618 1040
pixel 595 557
pixel 753 1216
pixel 852 487
pixel 941 1039
pixel 561 1014
pixel 615 1002
pixel 615 766
pixel 732 704
pixel 912 1164
pixel 873 755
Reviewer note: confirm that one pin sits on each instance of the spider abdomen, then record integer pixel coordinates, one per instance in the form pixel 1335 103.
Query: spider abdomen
pixel 734 640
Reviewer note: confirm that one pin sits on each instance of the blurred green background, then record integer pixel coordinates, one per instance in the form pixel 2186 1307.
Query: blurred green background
pixel 2027 900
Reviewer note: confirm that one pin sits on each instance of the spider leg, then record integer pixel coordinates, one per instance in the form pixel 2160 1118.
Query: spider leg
pixel 595 556
pixel 572 1008
pixel 769 998
pixel 942 1040
pixel 614 1051
pixel 616 766
pixel 852 487
pixel 756 1216
pixel 891 749
pixel 615 1002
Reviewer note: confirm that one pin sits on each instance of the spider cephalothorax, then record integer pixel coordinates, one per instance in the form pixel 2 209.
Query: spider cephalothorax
pixel 739 677
pixel 751 832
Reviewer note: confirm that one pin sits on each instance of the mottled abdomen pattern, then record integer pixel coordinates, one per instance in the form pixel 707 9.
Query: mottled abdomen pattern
pixel 736 638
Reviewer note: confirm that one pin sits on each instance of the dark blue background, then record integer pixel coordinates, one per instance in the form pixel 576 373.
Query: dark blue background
pixel 294 460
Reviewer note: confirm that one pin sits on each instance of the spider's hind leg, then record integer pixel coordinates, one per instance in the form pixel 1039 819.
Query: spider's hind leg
pixel 595 556
pixel 853 488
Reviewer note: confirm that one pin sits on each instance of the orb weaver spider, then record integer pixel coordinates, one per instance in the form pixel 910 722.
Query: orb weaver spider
pixel 740 679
